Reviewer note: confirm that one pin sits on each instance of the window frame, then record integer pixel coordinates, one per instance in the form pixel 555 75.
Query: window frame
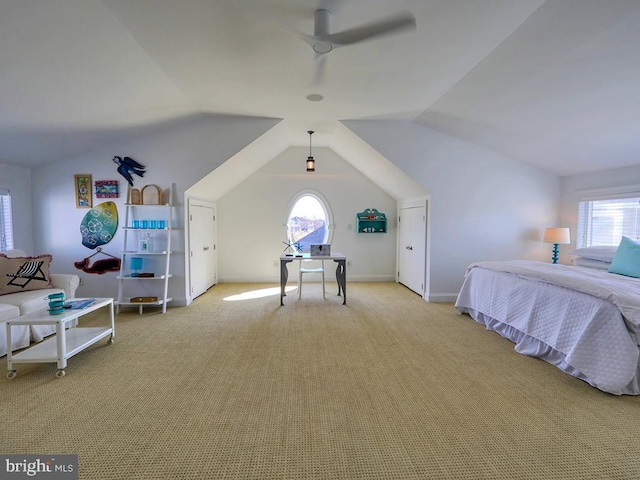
pixel 6 221
pixel 585 196
pixel 325 206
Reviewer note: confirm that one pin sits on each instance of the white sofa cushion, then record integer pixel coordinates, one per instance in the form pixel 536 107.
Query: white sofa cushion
pixel 8 311
pixel 19 333
pixel 20 303
pixel 29 301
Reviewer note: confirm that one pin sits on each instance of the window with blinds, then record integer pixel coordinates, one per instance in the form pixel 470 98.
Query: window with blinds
pixel 6 223
pixel 605 221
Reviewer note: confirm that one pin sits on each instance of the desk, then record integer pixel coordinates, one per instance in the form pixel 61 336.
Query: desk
pixel 341 270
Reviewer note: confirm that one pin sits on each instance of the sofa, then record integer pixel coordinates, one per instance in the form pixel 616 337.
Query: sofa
pixel 25 284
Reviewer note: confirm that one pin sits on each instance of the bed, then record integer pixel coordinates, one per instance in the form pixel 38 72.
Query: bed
pixel 582 319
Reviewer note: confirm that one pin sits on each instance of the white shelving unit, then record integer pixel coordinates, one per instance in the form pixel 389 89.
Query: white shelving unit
pixel 155 258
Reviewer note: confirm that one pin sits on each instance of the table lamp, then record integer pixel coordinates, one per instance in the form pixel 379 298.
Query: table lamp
pixel 557 236
pixel 136 264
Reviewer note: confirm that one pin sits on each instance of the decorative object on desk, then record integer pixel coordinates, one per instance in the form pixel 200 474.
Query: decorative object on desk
pixel 127 166
pixel 151 195
pixel 557 236
pixel 371 220
pixel 136 264
pixel 99 225
pixel 106 188
pixel 21 274
pixel 311 163
pixel 143 299
pixel 292 247
pixel 104 265
pixel 82 183
pixel 320 250
pixel 56 303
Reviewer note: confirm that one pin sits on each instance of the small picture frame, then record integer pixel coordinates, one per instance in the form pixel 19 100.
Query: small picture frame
pixel 82 185
pixel 106 188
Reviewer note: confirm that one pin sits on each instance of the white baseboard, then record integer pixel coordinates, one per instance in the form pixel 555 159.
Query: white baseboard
pixel 293 278
pixel 442 297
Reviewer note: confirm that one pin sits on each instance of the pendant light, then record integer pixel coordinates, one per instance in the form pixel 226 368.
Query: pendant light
pixel 311 163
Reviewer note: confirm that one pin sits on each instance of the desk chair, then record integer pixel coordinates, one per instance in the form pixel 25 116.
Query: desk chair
pixel 310 270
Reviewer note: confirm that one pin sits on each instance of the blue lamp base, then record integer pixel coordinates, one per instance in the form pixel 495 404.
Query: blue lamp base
pixel 555 253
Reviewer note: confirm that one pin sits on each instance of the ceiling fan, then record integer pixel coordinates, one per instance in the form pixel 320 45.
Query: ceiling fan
pixel 323 41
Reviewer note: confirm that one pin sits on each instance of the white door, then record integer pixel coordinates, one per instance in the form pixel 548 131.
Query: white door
pixel 202 254
pixel 412 247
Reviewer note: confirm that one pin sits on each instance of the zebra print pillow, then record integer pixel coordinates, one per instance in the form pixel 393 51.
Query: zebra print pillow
pixel 21 274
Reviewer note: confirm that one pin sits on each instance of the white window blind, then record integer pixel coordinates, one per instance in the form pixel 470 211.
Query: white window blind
pixel 6 223
pixel 606 221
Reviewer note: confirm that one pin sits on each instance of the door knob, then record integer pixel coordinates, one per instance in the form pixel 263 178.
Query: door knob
pixel 206 248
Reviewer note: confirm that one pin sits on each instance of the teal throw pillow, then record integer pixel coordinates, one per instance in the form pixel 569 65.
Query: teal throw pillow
pixel 627 259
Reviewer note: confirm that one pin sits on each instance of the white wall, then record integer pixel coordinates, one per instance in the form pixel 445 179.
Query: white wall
pixel 252 215
pixel 180 155
pixel 573 185
pixel 18 181
pixel 484 206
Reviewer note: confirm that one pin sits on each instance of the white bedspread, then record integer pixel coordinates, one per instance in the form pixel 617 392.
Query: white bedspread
pixel 585 322
pixel 624 292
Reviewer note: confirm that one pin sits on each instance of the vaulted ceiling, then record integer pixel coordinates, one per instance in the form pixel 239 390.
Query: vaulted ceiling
pixel 553 83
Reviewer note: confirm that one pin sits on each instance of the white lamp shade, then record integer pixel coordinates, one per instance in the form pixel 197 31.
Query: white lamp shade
pixel 557 235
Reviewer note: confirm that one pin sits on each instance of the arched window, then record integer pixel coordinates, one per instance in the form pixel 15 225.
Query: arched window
pixel 309 221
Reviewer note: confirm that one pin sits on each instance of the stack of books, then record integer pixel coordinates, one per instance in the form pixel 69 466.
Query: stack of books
pixel 79 304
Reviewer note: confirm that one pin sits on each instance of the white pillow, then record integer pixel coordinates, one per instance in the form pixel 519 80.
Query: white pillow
pixel 603 253
pixel 587 262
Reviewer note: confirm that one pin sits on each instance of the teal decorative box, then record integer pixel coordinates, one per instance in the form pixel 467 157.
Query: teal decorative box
pixel 371 221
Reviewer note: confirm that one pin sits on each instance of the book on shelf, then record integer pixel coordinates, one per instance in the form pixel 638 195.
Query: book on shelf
pixel 79 304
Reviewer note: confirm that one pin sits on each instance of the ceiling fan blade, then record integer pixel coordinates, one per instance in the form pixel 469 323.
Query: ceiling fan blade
pixel 319 69
pixel 388 26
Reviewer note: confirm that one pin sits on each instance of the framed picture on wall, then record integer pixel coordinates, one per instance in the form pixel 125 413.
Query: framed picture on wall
pixel 106 189
pixel 82 184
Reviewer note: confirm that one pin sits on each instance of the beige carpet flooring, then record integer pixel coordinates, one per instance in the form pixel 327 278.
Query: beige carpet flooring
pixel 388 387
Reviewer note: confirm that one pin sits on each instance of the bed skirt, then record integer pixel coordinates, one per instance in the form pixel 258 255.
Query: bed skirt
pixel 527 345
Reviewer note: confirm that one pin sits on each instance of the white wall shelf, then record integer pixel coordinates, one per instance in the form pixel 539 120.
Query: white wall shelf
pixel 153 246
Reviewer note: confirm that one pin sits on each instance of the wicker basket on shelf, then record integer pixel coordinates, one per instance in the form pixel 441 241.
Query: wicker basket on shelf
pixel 134 196
pixel 151 195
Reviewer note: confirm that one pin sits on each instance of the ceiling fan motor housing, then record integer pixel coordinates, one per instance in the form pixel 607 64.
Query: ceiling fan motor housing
pixel 322 28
